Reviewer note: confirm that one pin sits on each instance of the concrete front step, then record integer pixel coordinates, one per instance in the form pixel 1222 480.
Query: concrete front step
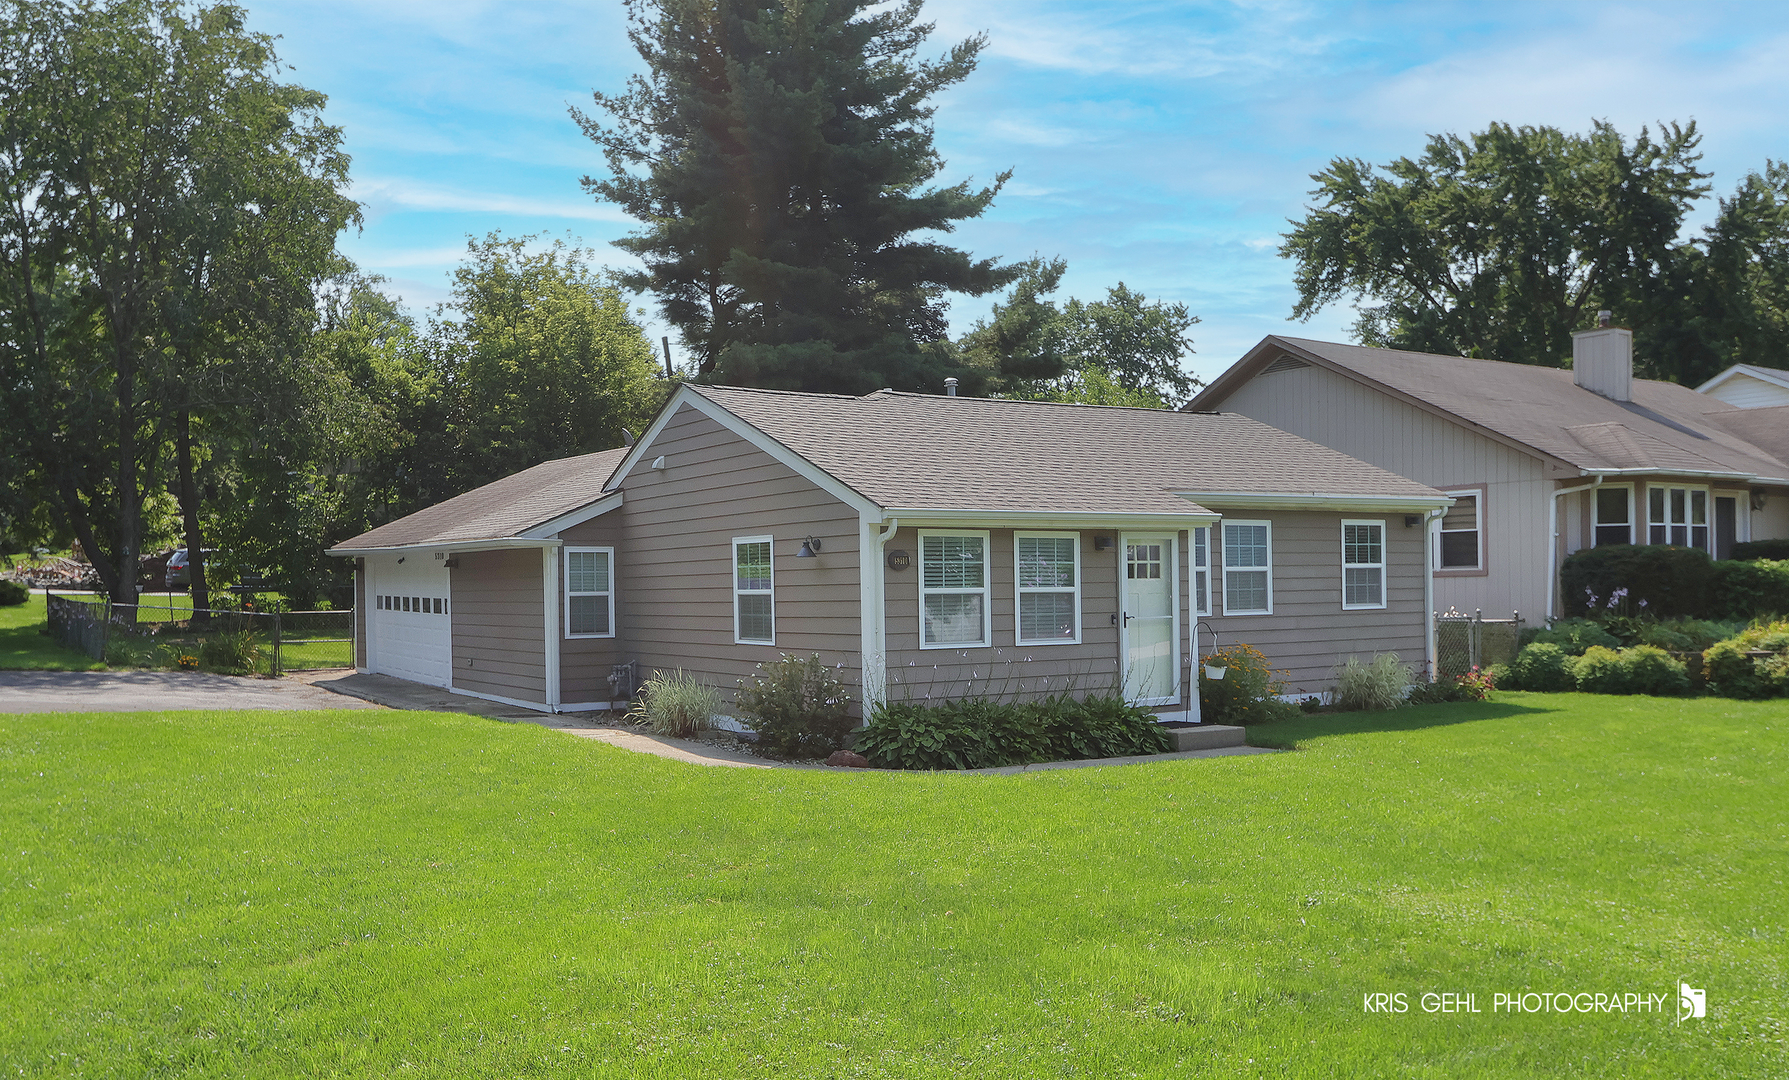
pixel 1204 737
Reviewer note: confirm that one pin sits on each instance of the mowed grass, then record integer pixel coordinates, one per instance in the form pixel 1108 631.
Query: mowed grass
pixel 373 893
pixel 23 645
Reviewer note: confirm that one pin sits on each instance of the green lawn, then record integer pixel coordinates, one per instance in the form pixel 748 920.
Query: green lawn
pixel 23 645
pixel 373 893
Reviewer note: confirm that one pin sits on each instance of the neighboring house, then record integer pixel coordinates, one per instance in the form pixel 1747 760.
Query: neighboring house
pixel 1749 386
pixel 1540 461
pixel 1012 548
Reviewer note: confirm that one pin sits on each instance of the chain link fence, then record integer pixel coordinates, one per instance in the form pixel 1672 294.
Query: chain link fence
pixel 167 635
pixel 1463 642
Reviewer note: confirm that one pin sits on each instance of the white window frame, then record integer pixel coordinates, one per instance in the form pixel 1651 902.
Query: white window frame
pixel 1381 565
pixel 1689 491
pixel 1020 590
pixel 1633 512
pixel 1477 495
pixel 1201 597
pixel 733 579
pixel 610 594
pixel 1224 536
pixel 986 590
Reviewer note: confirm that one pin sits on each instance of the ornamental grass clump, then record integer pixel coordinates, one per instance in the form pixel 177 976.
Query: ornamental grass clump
pixel 676 704
pixel 798 708
pixel 1379 684
pixel 231 652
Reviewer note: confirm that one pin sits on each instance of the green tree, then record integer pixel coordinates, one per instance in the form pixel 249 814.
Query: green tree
pixel 1123 350
pixel 1501 244
pixel 778 154
pixel 157 178
pixel 543 362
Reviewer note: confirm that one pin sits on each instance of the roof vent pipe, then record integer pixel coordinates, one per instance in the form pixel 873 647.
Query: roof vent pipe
pixel 1603 317
pixel 1603 360
pixel 950 387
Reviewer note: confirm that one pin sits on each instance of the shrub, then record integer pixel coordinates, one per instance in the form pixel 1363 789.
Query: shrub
pixel 1761 549
pixel 1643 669
pixel 676 704
pixel 1440 691
pixel 1659 579
pixel 13 594
pixel 1542 666
pixel 1379 684
pixel 1240 696
pixel 232 652
pixel 1577 635
pixel 1732 673
pixel 1682 635
pixel 1502 677
pixel 1477 684
pixel 1746 590
pixel 797 707
pixel 976 733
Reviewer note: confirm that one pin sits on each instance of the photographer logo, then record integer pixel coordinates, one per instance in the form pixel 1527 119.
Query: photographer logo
pixel 1692 1004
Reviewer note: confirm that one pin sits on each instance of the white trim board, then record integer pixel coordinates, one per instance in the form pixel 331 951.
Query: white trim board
pixel 576 517
pixel 499 544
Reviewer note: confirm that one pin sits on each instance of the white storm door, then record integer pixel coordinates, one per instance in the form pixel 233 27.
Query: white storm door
pixel 1147 642
pixel 408 619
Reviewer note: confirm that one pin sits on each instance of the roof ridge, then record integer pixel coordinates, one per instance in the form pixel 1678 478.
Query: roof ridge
pixel 1027 401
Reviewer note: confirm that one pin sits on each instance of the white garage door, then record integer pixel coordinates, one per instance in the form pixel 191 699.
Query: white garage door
pixel 408 632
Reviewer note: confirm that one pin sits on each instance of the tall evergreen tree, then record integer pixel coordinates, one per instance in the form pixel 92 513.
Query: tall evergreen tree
pixel 778 153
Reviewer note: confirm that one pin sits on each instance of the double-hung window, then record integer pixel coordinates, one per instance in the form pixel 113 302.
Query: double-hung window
pixel 1462 528
pixel 1048 579
pixel 1614 516
pixel 1677 515
pixel 953 590
pixel 1248 568
pixel 1363 564
pixel 754 605
pixel 1202 571
pixel 589 592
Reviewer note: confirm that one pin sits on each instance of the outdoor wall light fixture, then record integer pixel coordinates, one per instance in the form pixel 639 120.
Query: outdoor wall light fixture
pixel 899 560
pixel 1411 521
pixel 1757 500
pixel 810 549
pixel 1102 543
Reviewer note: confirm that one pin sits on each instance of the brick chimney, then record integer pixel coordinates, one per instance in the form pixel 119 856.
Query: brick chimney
pixel 1603 360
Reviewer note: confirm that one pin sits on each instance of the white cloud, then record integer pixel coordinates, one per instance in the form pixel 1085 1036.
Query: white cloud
pixel 383 193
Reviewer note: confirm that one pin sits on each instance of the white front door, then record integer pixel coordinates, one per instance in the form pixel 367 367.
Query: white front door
pixel 409 634
pixel 1148 643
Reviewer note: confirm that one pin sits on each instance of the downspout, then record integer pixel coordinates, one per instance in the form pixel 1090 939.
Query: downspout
pixel 875 637
pixel 1431 550
pixel 1553 537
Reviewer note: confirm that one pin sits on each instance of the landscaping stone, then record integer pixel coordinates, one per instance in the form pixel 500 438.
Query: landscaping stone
pixel 848 759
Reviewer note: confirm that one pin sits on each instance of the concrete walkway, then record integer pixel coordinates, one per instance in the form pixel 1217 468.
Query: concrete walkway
pixel 602 727
pixel 157 691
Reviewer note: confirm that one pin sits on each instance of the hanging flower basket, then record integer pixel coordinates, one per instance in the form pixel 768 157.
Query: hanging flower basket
pixel 1215 672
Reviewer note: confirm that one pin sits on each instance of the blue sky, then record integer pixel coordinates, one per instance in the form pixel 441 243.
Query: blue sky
pixel 1160 144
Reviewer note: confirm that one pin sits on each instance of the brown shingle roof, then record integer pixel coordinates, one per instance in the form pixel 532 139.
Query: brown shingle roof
pixel 1666 427
pixel 504 508
pixel 926 452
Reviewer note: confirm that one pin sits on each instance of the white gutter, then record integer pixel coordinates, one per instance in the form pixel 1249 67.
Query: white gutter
pixel 1315 500
pixel 1553 532
pixel 1194 518
pixel 497 544
pixel 550 598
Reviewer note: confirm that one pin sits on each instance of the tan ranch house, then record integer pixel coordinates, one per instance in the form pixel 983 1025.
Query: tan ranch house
pixel 927 546
pixel 1540 461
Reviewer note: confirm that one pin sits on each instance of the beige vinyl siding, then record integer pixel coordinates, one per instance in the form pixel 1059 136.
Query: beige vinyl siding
pixel 674 557
pixel 1309 632
pixel 360 601
pixel 1358 420
pixel 1003 669
pixel 499 636
pixel 1749 393
pixel 584 663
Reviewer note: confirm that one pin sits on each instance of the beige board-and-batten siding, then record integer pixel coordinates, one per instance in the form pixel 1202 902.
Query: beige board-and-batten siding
pixel 499 629
pixel 1320 405
pixel 674 568
pixel 1309 632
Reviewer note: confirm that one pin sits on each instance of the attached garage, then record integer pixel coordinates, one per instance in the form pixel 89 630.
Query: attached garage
pixel 408 617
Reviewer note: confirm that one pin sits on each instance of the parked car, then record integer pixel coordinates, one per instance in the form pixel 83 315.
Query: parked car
pixel 152 570
pixel 179 574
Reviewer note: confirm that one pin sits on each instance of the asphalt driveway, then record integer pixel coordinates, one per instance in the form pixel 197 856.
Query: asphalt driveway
pixel 157 691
